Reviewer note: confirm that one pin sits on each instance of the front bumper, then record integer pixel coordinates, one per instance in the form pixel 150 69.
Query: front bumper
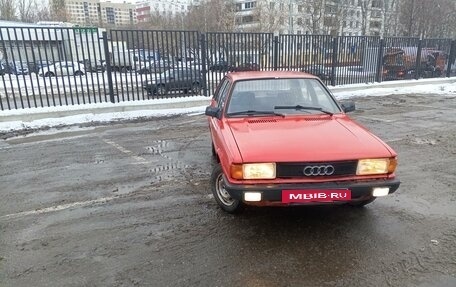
pixel 360 190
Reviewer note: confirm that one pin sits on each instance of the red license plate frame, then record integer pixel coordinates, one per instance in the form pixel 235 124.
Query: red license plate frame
pixel 315 195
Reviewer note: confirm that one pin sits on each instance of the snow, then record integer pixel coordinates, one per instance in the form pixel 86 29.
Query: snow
pixel 364 90
pixel 359 90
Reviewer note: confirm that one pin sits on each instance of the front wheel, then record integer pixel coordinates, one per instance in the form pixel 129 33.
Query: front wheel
pixel 161 90
pixel 196 89
pixel 221 195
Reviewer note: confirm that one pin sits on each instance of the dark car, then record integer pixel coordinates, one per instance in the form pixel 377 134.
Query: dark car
pixel 94 66
pixel 247 67
pixel 154 66
pixel 221 66
pixel 323 72
pixel 180 79
pixel 6 68
pixel 15 68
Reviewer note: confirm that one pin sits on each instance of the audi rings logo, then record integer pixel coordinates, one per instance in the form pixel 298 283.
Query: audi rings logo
pixel 318 170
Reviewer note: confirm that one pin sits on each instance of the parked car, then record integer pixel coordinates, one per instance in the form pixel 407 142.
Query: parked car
pixel 18 68
pixel 6 68
pixel 179 79
pixel 248 66
pixel 321 71
pixel 281 139
pixel 153 67
pixel 93 66
pixel 35 67
pixel 220 66
pixel 63 69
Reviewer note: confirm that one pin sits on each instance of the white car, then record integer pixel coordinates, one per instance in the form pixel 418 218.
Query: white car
pixel 63 69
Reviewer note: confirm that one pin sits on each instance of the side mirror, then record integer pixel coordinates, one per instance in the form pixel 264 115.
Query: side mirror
pixel 348 107
pixel 214 112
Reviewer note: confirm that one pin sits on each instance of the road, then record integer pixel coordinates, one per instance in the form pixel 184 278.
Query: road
pixel 129 204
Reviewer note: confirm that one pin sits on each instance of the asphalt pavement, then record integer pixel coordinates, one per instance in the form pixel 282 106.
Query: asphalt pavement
pixel 129 204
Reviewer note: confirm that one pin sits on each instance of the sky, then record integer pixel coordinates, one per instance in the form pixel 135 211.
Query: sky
pixel 363 90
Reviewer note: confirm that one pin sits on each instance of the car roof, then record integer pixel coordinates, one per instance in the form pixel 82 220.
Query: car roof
pixel 253 75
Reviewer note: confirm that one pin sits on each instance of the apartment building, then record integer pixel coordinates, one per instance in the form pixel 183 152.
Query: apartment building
pixel 334 17
pixel 169 7
pixel 102 12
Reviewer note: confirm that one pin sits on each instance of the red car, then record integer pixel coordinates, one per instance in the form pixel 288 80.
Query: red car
pixel 280 138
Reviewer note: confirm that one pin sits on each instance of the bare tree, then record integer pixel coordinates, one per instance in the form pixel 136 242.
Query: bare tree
pixel 312 13
pixel 27 10
pixel 213 15
pixel 422 18
pixel 58 10
pixel 7 10
pixel 268 17
pixel 43 14
pixel 366 6
pixel 336 16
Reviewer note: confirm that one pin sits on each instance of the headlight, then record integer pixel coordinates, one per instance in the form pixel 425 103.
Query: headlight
pixel 376 166
pixel 254 171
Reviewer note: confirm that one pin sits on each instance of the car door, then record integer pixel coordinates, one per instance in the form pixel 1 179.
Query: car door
pixel 57 69
pixel 63 71
pixel 216 125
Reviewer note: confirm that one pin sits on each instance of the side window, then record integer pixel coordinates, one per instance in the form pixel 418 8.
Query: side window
pixel 223 95
pixel 219 89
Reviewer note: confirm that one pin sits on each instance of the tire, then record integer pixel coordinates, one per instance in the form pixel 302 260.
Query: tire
pixel 49 74
pixel 78 73
pixel 161 90
pixel 196 89
pixel 221 196
pixel 362 203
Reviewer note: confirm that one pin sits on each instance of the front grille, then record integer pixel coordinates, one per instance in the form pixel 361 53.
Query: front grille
pixel 341 168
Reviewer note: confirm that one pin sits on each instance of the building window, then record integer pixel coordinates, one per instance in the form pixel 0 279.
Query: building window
pixel 249 5
pixel 299 8
pixel 272 5
pixel 247 19
pixel 299 32
pixel 376 4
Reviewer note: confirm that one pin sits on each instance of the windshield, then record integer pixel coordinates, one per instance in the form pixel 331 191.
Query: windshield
pixel 286 96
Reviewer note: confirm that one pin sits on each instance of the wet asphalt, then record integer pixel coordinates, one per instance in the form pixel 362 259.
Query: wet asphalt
pixel 129 204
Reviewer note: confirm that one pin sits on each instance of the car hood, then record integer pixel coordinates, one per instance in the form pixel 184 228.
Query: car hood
pixel 306 138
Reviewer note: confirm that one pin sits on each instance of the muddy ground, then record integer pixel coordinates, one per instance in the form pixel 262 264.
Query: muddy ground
pixel 129 205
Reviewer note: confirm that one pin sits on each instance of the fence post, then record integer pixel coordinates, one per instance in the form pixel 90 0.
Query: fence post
pixel 276 53
pixel 204 64
pixel 108 66
pixel 418 60
pixel 451 58
pixel 378 77
pixel 334 60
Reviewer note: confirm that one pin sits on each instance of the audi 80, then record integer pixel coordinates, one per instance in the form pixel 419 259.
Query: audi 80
pixel 281 138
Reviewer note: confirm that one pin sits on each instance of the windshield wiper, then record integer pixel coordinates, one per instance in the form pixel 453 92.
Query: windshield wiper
pixel 254 112
pixel 300 108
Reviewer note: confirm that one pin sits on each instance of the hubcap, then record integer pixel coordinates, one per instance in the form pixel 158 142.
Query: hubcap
pixel 222 194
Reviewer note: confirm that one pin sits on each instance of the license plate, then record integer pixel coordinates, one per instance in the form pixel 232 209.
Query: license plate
pixel 315 195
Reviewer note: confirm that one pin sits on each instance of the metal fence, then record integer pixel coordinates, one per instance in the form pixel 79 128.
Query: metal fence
pixel 57 66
